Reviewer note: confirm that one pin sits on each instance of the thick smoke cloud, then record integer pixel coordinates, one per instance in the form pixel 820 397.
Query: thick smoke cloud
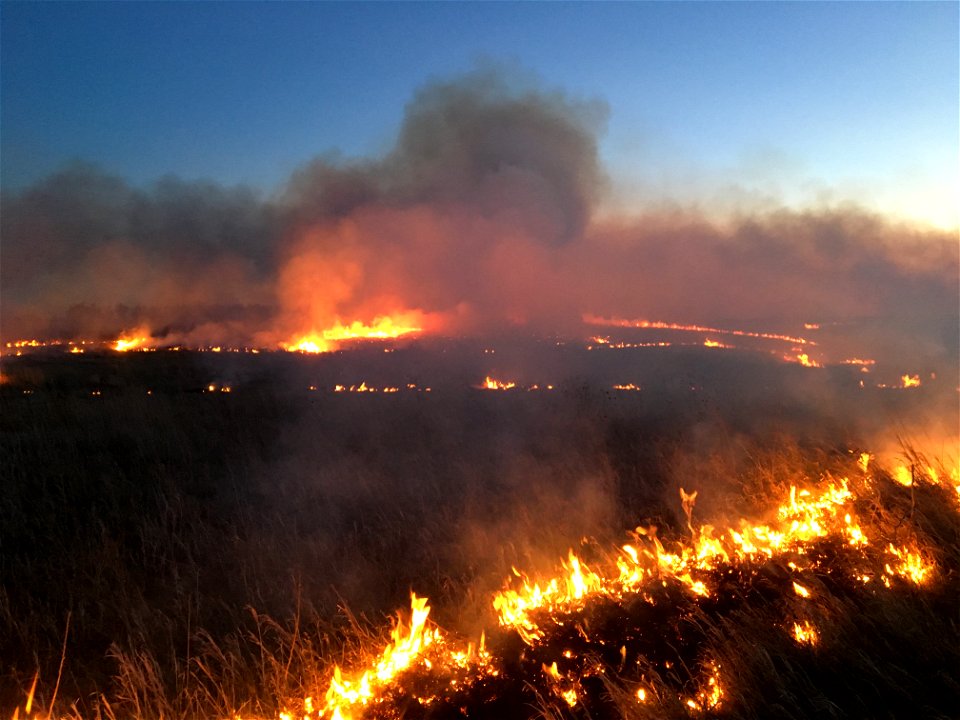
pixel 481 219
pixel 85 254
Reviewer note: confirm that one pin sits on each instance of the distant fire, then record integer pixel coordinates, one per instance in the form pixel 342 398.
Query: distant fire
pixel 803 359
pixel 364 388
pixel 606 342
pixel 382 328
pixel 661 325
pixel 859 361
pixel 414 323
pixel 135 340
pixel 490 383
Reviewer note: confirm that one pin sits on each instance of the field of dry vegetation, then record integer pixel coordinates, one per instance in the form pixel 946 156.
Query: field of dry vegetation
pixel 191 554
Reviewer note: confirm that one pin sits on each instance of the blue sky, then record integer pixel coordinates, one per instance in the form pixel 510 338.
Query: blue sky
pixel 715 103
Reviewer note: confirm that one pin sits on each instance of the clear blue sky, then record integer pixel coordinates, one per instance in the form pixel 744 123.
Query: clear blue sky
pixel 798 100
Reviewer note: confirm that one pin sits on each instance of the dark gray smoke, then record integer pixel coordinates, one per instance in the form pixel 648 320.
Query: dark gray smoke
pixel 482 218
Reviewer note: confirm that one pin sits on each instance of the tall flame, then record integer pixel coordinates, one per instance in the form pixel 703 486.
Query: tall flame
pixel 346 693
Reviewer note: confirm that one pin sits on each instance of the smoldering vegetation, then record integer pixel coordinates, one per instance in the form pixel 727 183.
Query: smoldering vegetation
pixel 188 553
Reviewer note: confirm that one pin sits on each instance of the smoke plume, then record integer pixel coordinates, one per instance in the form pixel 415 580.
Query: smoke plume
pixel 483 218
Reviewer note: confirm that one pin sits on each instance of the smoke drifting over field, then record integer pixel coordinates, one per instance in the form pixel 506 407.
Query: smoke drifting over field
pixel 482 219
pixel 182 528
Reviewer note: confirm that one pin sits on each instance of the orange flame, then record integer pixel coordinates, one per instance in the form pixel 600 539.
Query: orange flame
pixel 806 514
pixel 134 340
pixel 803 518
pixel 383 327
pixel 491 384
pixel 661 325
pixel 805 633
pixel 346 692
pixel 804 359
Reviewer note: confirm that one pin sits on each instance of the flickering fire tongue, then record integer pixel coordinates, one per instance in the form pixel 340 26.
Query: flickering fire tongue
pixel 814 533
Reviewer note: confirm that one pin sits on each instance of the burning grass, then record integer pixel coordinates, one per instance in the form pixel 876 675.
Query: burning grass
pixel 655 621
pixel 194 555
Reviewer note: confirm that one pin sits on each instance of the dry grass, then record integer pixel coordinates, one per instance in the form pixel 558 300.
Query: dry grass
pixel 205 548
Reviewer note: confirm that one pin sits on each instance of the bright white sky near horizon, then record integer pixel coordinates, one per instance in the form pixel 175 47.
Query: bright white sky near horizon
pixel 730 106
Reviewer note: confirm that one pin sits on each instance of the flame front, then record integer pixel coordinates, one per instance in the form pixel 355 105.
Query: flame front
pixel 538 611
pixel 805 517
pixel 134 340
pixel 381 328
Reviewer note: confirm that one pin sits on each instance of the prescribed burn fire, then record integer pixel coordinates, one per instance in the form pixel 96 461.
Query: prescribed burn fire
pixel 813 538
pixel 467 430
pixel 631 629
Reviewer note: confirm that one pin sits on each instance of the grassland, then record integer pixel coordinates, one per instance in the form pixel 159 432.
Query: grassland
pixel 184 554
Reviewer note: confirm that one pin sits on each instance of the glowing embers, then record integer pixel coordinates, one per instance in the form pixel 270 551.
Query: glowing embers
pixel 711 692
pixel 76 347
pixel 387 389
pixel 20 346
pixel 490 383
pixel 598 341
pixel 864 364
pixel 26 343
pixel 381 328
pixel 217 388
